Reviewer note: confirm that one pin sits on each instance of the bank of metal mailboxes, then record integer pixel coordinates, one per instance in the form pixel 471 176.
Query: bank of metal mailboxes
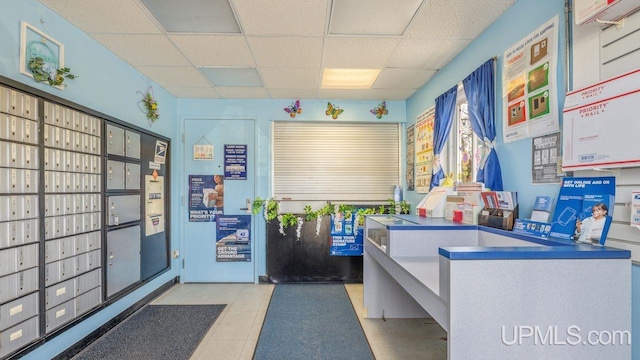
pixel 123 209
pixel 18 129
pixel 18 284
pixel 17 103
pixel 122 175
pixel 122 142
pixel 69 289
pixel 16 337
pixel 123 258
pixel 18 310
pixel 66 311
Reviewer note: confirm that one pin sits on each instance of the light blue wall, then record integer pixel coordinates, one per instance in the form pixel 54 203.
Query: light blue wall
pixel 515 158
pixel 108 85
pixel 264 112
pixel 516 23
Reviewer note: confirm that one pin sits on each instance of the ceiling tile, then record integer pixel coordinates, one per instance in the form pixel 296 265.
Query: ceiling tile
pixel 287 51
pixel 242 92
pixel 175 76
pixel 456 19
pixel 372 17
pixel 282 17
pixel 143 49
pixel 338 94
pixel 357 52
pixel 204 50
pixel 402 78
pixel 193 92
pixel 425 53
pixel 191 16
pixel 287 41
pixel 241 77
pixel 293 93
pixel 391 94
pixel 99 16
pixel 291 78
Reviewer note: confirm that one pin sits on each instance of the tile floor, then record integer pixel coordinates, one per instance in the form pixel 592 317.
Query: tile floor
pixel 235 333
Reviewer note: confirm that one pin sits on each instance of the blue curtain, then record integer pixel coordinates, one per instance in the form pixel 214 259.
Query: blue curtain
pixel 445 105
pixel 479 89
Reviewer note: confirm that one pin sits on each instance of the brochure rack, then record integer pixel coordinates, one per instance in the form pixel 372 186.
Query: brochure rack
pixel 498 218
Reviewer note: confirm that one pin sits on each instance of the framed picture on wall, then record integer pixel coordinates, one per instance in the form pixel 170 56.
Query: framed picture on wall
pixel 40 54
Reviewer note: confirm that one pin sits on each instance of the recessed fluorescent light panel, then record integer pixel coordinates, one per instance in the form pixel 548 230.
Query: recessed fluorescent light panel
pixel 194 16
pixel 372 17
pixel 349 78
pixel 245 77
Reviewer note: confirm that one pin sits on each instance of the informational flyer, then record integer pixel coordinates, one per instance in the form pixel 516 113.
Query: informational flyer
pixel 235 162
pixel 154 208
pixel 545 162
pixel 233 238
pixel 529 84
pixel 206 197
pixel 411 153
pixel 424 150
pixel 346 239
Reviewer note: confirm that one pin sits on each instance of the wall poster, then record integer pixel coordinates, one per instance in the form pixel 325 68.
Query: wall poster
pixel 154 207
pixel 233 238
pixel 545 161
pixel 235 162
pixel 411 153
pixel 424 150
pixel 206 197
pixel 529 85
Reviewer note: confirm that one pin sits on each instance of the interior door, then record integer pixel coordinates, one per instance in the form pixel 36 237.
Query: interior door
pixel 199 240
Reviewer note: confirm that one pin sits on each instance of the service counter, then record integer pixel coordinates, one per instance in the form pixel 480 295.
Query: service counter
pixel 499 295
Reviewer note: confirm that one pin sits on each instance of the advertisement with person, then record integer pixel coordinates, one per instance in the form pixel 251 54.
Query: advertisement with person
pixel 206 197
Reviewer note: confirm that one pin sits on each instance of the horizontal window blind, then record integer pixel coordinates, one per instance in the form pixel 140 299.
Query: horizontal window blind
pixel 335 161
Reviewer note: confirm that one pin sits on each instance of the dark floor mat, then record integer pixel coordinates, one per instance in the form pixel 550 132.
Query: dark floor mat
pixel 155 332
pixel 311 321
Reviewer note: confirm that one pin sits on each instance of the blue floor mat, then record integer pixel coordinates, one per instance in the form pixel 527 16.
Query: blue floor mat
pixel 311 321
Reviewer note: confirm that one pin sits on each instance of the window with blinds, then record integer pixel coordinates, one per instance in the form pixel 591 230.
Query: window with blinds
pixel 342 162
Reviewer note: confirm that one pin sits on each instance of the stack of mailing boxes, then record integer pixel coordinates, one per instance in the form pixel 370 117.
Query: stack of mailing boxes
pixel 19 220
pixel 72 213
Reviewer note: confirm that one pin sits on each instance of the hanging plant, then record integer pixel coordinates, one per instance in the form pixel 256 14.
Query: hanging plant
pixel 149 105
pixel 46 72
pixel 300 221
pixel 269 208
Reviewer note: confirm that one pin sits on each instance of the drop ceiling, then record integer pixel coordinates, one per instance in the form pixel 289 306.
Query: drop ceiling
pixel 277 49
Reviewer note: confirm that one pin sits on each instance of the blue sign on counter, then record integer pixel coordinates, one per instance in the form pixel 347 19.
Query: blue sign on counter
pixel 533 228
pixel 235 162
pixel 346 238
